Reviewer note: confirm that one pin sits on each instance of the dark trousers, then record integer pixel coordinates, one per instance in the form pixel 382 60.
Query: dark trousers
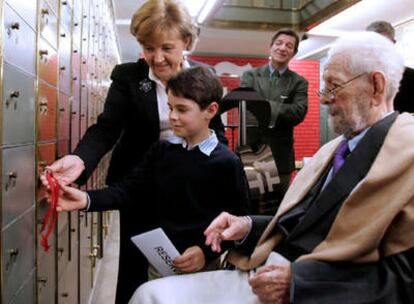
pixel 133 266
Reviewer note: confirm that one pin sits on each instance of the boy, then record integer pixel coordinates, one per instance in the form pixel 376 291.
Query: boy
pixel 191 178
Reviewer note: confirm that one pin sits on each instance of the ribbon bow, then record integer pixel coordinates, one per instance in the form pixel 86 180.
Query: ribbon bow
pixel 51 215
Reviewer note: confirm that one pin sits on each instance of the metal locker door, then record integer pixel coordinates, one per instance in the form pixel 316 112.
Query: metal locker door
pixel 46 260
pixel 46 118
pixel 87 257
pixel 18 107
pixel 18 254
pixel 18 175
pixel 65 44
pixel 19 41
pixel 48 23
pixel 62 245
pixel 26 293
pixel 63 125
pixel 47 62
pixel 26 10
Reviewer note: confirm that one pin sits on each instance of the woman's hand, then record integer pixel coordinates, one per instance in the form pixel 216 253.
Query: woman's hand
pixel 191 260
pixel 66 170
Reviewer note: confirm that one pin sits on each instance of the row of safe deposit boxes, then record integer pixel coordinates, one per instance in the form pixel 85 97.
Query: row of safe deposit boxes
pixel 55 61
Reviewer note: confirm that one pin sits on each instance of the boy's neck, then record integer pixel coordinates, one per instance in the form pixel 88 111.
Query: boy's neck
pixel 198 138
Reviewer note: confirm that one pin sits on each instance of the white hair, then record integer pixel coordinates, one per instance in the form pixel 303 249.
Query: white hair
pixel 369 52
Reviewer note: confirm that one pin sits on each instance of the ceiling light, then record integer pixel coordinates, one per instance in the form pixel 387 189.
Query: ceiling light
pixel 201 9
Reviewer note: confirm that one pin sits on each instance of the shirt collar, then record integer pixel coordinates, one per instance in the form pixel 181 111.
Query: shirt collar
pixel 353 142
pixel 185 65
pixel 272 69
pixel 206 146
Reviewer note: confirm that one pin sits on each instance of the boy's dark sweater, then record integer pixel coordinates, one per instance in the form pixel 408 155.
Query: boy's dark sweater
pixel 187 190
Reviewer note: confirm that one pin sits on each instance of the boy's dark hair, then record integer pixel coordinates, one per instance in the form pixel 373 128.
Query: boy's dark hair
pixel 198 84
pixel 289 32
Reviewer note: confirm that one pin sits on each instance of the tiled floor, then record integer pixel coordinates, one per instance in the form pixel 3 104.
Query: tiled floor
pixel 105 284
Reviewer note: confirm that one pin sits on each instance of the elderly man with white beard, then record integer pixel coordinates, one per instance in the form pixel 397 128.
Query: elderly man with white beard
pixel 344 231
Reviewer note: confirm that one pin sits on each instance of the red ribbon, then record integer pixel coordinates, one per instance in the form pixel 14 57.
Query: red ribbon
pixel 51 215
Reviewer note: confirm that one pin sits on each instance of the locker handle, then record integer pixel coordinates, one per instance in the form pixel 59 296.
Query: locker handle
pixel 65 295
pixel 42 280
pixel 63 35
pixel 93 255
pixel 74 113
pixel 13 175
pixel 42 165
pixel 13 252
pixel 15 26
pixel 43 53
pixel 62 68
pixel 62 110
pixel 45 11
pixel 14 94
pixel 64 3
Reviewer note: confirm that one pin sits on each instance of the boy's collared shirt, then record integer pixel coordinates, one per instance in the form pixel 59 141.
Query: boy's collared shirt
pixel 272 69
pixel 206 146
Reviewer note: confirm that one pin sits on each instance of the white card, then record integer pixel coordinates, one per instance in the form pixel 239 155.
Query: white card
pixel 158 249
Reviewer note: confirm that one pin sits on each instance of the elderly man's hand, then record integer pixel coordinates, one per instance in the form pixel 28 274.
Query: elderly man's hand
pixel 226 227
pixel 271 283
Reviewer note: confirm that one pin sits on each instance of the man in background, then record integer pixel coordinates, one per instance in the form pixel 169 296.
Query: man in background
pixel 404 101
pixel 287 94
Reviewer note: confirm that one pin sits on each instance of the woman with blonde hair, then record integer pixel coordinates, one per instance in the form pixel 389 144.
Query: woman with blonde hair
pixel 135 115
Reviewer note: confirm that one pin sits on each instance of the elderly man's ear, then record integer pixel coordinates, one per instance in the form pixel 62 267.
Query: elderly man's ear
pixel 378 81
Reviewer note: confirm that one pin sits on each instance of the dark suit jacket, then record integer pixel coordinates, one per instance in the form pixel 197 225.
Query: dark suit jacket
pixel 130 124
pixel 288 97
pixel 404 100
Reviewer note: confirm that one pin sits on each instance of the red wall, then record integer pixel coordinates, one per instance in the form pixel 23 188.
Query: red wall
pixel 307 134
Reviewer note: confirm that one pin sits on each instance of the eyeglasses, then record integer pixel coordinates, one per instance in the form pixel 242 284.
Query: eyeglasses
pixel 331 93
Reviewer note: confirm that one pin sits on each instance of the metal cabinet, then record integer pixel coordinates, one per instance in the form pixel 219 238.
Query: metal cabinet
pixel 65 44
pixel 66 14
pixel 63 125
pixel 87 256
pixel 26 293
pixel 18 253
pixel 18 182
pixel 18 106
pixel 26 10
pixel 62 246
pixel 19 41
pixel 53 79
pixel 46 260
pixel 47 62
pixel 48 24
pixel 46 108
pixel 67 287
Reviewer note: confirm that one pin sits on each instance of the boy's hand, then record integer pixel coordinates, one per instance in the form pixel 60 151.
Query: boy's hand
pixel 191 260
pixel 71 199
